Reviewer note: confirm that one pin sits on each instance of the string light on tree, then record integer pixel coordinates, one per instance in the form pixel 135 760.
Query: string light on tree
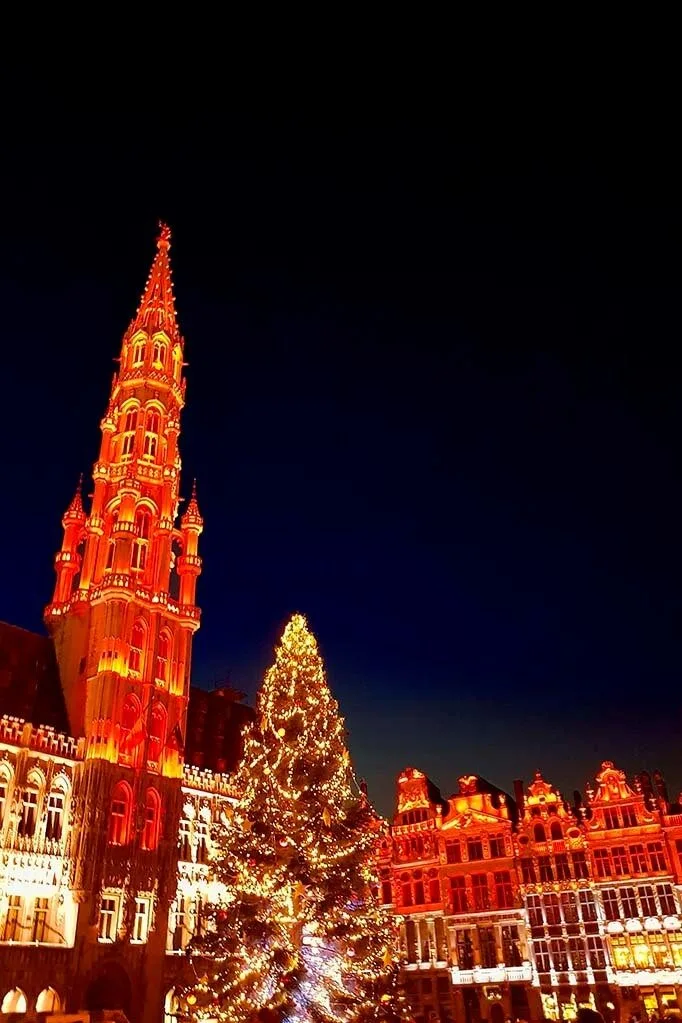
pixel 299 935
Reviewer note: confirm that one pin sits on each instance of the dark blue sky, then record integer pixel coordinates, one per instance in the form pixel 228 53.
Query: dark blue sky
pixel 431 403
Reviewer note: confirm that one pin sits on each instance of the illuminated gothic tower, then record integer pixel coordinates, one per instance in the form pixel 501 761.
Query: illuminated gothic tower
pixel 123 612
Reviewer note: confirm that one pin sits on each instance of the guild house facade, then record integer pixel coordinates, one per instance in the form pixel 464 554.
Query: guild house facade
pixel 115 773
pixel 527 908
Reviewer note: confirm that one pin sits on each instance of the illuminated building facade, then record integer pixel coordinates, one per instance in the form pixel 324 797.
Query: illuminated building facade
pixel 107 804
pixel 529 908
pixel 115 773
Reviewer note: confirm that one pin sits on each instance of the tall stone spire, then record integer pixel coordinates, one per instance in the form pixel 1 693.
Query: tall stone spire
pixel 156 310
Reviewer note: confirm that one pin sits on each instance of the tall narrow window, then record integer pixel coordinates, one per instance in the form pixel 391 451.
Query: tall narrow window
pixel 55 814
pixel 479 883
pixel 504 893
pixel 140 921
pixel 486 943
pixel 29 813
pixel 137 637
pixel 162 656
pixel 119 816
pixel 157 735
pixel 159 353
pixel 539 833
pixel 41 909
pixel 132 732
pixel 434 886
pixel 151 444
pixel 139 352
pixel 108 918
pixel 458 895
pixel 12 928
pixel 177 362
pixel 656 856
pixel 201 834
pixel 152 820
pixel 127 445
pixel 555 831
pixel 4 793
pixel 143 526
pixel 185 840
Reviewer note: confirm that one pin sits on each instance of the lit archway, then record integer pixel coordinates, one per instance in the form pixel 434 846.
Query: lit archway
pixel 48 1001
pixel 14 1002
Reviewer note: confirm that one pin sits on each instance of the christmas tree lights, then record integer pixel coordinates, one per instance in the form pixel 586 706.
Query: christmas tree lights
pixel 298 934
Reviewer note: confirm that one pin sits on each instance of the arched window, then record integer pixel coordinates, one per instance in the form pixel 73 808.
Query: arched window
pixel 143 525
pixel 111 548
pixel 5 780
pixel 48 1001
pixel 157 735
pixel 163 656
pixel 171 1007
pixel 151 445
pixel 14 1002
pixel 136 655
pixel 119 816
pixel 539 833
pixel 159 353
pixel 153 422
pixel 132 732
pixel 556 831
pixel 129 426
pixel 55 812
pixel 152 820
pixel 177 362
pixel 139 352
pixel 29 807
pixel 130 421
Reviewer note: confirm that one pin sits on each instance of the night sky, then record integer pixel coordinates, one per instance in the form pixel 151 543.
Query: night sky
pixel 432 404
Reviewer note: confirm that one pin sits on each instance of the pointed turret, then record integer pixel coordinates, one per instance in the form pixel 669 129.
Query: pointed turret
pixel 192 515
pixel 189 564
pixel 75 512
pixel 156 311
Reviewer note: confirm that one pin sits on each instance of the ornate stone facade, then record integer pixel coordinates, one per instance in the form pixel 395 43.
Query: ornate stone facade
pixel 528 908
pixel 105 834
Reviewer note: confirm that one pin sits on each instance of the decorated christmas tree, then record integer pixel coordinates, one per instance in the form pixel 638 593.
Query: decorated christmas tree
pixel 297 933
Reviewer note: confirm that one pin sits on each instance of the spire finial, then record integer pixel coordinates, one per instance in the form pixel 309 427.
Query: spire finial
pixel 164 239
